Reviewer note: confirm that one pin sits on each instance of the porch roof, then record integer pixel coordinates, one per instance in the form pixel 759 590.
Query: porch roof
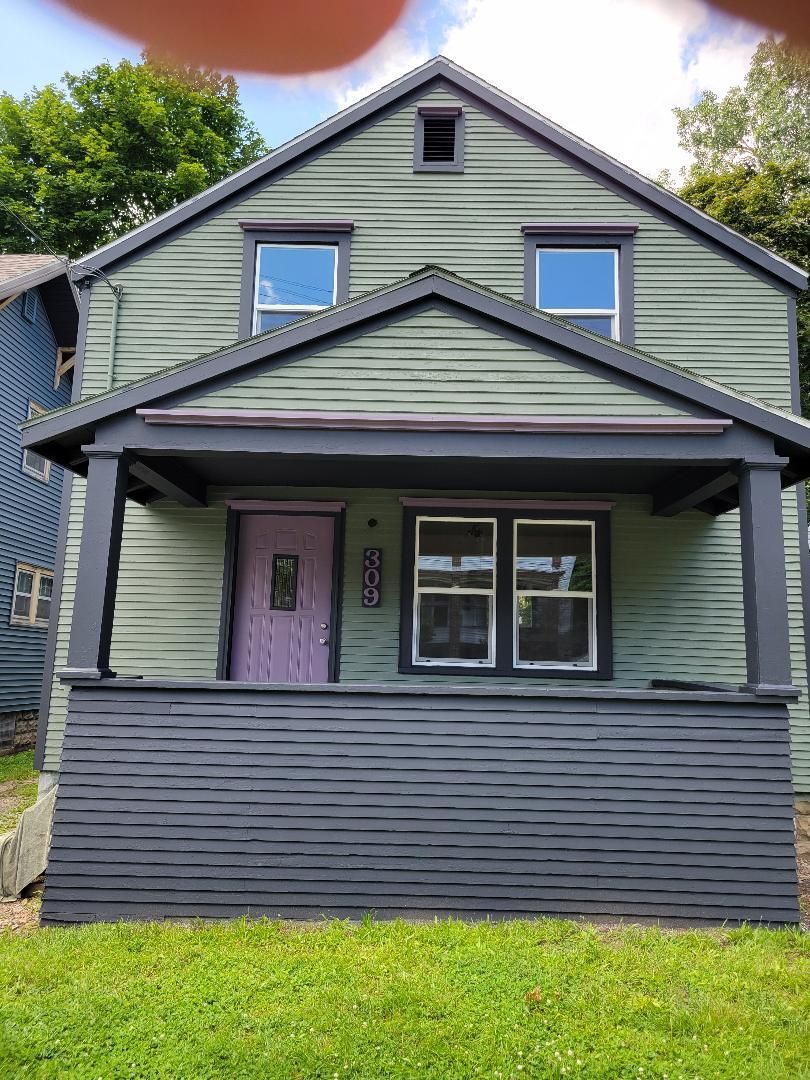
pixel 735 425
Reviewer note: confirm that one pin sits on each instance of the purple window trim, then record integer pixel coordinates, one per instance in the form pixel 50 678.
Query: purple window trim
pixel 579 228
pixel 506 504
pixel 299 225
pixel 282 506
pixel 356 421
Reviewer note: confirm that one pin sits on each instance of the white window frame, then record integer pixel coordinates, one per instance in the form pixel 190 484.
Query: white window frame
pixel 556 665
pixel 38 572
pixel 290 309
pixel 35 410
pixel 418 661
pixel 614 313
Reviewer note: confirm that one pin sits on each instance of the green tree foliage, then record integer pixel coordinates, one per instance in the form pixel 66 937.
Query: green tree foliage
pixel 751 167
pixel 113 148
pixel 765 120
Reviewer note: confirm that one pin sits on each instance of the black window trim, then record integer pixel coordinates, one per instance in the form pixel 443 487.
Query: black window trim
pixel 457 164
pixel 255 234
pixel 618 236
pixel 503 667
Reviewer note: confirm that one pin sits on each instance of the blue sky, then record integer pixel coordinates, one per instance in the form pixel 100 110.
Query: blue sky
pixel 672 50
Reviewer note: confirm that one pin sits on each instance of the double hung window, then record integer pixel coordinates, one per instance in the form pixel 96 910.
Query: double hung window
pixel 33 591
pixel 293 280
pixel 34 464
pixel 506 593
pixel 582 285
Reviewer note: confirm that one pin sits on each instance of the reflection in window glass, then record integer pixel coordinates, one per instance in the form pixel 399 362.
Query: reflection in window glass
pixel 554 630
pixel 454 627
pixel 554 593
pixel 293 280
pixel 454 591
pixel 581 286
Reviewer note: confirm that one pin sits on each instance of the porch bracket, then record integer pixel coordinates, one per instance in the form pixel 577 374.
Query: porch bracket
pixel 99 554
pixel 765 602
pixel 690 487
pixel 172 479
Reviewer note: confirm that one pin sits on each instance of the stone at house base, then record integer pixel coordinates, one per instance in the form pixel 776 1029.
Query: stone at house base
pixel 18 731
pixel 802 810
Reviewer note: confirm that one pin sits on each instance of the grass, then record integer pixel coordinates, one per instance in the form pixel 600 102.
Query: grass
pixel 18 787
pixel 384 1001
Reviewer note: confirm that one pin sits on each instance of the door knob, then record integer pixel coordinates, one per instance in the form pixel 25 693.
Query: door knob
pixel 324 626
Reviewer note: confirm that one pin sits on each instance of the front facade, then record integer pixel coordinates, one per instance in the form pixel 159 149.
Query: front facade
pixel 37 337
pixel 434 481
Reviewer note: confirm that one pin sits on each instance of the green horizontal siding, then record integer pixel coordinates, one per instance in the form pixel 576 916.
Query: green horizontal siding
pixel 435 363
pixel 678 602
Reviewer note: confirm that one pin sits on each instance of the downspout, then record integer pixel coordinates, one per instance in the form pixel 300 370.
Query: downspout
pixel 117 291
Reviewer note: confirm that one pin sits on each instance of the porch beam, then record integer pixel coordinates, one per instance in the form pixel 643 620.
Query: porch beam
pixel 174 480
pixel 690 487
pixel 765 602
pixel 99 554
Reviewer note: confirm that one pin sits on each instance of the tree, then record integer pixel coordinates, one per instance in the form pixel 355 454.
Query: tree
pixel 117 146
pixel 766 120
pixel 751 165
pixel 772 207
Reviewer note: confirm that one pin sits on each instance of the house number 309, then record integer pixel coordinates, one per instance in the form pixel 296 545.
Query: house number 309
pixel 372 577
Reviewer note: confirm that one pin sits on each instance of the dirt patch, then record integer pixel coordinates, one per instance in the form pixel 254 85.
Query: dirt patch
pixel 20 916
pixel 804 892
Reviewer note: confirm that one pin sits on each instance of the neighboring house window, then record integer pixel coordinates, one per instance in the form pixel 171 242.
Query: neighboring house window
pixel 288 275
pixel 584 277
pixel 438 141
pixel 30 304
pixel 508 594
pixel 34 464
pixel 33 591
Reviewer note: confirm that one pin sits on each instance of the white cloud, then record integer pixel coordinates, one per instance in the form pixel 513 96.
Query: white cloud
pixel 608 70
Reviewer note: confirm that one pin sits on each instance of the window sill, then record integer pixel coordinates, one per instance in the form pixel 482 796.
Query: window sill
pixel 600 674
pixel 24 624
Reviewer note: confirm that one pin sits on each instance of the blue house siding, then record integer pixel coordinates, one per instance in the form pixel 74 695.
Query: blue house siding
pixel 29 508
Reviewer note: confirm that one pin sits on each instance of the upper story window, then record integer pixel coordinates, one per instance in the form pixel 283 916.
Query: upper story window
pixel 293 280
pixel 33 593
pixel 35 464
pixel 288 274
pixel 507 593
pixel 582 285
pixel 438 143
pixel 584 273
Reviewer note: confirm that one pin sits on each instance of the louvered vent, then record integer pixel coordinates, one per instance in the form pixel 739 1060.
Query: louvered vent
pixel 439 139
pixel 30 305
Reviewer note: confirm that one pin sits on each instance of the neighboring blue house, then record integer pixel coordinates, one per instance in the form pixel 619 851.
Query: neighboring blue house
pixel 38 326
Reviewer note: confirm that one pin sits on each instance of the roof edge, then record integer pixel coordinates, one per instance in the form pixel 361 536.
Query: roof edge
pixel 440 68
pixel 41 276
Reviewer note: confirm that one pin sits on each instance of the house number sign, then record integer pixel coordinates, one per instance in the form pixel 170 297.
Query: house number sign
pixel 372 577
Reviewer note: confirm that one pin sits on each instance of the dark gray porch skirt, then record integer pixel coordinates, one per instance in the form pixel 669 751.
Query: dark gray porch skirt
pixel 214 800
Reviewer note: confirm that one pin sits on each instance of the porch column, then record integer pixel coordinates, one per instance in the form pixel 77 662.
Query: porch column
pixel 97 578
pixel 767 644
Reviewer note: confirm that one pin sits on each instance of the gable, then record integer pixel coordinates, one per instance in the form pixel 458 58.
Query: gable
pixel 435 362
pixel 693 306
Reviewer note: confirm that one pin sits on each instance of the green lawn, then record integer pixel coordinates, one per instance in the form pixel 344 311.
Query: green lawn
pixel 444 1000
pixel 18 788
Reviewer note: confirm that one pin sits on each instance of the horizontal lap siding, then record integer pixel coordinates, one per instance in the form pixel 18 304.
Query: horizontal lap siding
pixel 29 508
pixel 693 307
pixel 182 803
pixel 435 363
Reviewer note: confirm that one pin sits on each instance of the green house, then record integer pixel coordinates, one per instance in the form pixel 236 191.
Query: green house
pixel 434 540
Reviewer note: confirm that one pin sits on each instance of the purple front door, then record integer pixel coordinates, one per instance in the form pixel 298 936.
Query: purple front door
pixel 283 602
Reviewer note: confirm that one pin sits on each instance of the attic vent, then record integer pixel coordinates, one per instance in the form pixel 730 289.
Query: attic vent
pixel 30 305
pixel 439 139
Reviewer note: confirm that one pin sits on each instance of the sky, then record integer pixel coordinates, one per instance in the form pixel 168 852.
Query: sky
pixel 608 70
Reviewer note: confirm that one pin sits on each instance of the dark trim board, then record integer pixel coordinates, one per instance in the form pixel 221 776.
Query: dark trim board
pixel 423 801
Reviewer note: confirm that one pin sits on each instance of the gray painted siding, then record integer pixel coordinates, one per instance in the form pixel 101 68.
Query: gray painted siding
pixel 29 509
pixel 224 801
